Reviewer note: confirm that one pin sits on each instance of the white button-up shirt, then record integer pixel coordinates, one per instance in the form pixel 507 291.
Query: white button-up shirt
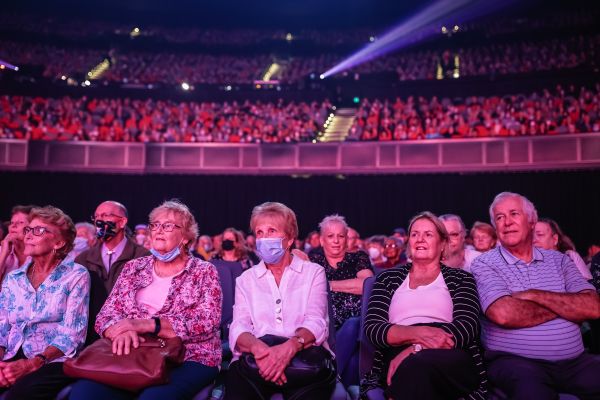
pixel 262 308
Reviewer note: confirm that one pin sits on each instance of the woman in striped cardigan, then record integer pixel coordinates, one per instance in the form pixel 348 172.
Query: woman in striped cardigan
pixel 423 319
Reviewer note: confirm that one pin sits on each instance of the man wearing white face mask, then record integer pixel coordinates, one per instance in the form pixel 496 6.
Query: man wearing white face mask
pixel 86 238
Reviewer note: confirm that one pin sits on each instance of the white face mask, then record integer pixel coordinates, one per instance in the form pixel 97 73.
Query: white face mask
pixel 140 239
pixel 374 253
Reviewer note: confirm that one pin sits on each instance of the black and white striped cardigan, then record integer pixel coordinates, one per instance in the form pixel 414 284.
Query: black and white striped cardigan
pixel 464 327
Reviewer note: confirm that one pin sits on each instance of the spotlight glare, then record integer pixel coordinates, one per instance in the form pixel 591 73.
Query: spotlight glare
pixel 185 86
pixel 321 76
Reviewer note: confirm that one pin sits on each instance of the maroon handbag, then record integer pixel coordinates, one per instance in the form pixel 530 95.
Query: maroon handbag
pixel 148 365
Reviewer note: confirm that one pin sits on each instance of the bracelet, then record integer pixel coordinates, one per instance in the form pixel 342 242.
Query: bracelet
pixel 42 357
pixel 156 326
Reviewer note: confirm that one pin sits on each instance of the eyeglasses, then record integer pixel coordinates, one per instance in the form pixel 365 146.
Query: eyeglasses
pixel 103 216
pixel 36 230
pixel 391 245
pixel 167 226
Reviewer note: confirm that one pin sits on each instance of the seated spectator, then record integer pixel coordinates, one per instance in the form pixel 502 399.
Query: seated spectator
pixel 169 294
pixel 548 235
pixel 107 258
pixel 534 300
pixel 423 319
pixel 345 271
pixel 43 310
pixel 352 241
pixel 483 236
pixel 374 247
pixel 457 255
pixel 12 248
pixel 204 247
pixel 393 251
pixel 233 249
pixel 140 232
pixel 86 238
pixel 312 243
pixel 284 296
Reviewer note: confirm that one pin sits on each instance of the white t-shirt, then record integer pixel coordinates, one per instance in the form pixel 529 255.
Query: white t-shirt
pixel 154 295
pixel 428 303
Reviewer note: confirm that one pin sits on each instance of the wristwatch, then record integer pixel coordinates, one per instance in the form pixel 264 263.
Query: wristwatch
pixel 300 340
pixel 42 357
pixel 417 348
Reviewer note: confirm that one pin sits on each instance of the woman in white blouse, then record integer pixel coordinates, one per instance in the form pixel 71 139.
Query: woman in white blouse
pixel 282 296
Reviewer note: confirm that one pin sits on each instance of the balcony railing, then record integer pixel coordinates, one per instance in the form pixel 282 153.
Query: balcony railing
pixel 574 151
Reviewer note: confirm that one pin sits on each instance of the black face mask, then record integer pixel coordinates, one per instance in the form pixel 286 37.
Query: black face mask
pixel 227 245
pixel 105 230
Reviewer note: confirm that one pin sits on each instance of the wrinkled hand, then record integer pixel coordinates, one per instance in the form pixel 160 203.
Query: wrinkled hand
pixel 274 360
pixel 7 243
pixel 11 371
pixel 121 327
pixel 123 343
pixel 395 363
pixel 433 338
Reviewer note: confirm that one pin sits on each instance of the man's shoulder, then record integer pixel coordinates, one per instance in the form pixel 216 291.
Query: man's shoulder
pixel 490 257
pixel 93 253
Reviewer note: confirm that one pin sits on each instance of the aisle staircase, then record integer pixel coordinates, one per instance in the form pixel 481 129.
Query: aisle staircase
pixel 338 125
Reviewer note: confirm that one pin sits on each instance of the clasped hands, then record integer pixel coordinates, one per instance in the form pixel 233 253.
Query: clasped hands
pixel 428 337
pixel 11 371
pixel 272 361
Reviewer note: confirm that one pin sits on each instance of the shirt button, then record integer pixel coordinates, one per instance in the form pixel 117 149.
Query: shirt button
pixel 278 320
pixel 278 310
pixel 278 301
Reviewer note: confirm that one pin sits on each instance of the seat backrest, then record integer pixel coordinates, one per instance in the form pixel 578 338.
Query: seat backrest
pixel 228 272
pixel 367 350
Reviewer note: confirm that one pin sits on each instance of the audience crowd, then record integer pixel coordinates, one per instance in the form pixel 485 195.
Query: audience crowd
pixel 127 120
pixel 559 112
pixel 496 58
pixel 129 285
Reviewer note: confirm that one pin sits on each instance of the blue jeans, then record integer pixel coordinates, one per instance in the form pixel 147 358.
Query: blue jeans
pixel 185 382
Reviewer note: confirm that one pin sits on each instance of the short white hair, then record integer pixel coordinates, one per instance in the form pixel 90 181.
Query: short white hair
pixel 528 207
pixel 333 219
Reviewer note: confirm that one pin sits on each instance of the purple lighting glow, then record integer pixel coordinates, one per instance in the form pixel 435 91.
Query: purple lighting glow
pixel 419 27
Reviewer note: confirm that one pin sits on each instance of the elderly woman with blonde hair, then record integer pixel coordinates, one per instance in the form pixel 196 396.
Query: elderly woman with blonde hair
pixel 280 310
pixel 169 293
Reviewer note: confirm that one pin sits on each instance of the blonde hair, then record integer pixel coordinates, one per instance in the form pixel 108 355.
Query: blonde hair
pixel 56 217
pixel 278 210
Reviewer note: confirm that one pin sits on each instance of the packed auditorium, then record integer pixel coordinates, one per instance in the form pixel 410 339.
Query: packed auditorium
pixel 279 200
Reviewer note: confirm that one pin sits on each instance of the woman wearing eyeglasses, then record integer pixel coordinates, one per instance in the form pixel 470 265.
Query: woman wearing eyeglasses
pixel 169 293
pixel 43 309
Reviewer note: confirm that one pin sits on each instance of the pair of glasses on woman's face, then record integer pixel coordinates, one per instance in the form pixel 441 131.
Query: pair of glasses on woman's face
pixel 36 230
pixel 166 227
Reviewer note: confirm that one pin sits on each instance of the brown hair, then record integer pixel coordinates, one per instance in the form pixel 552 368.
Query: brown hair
pixel 439 227
pixel 20 209
pixel 240 249
pixel 56 217
pixel 484 227
pixel 564 242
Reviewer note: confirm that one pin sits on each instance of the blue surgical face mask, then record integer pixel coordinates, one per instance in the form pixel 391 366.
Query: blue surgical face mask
pixel 270 250
pixel 168 256
pixel 80 244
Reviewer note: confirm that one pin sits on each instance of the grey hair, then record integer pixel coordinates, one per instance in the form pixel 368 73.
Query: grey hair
pixel 528 207
pixel 89 227
pixel 333 219
pixel 449 217
pixel 190 227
